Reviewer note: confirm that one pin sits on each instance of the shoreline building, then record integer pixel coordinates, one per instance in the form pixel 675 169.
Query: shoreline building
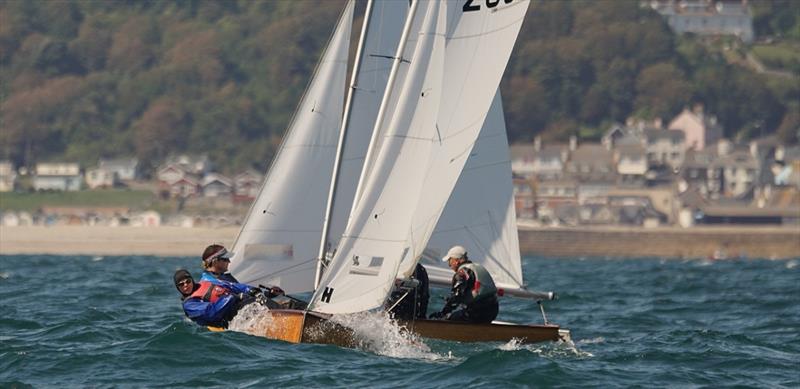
pixel 708 17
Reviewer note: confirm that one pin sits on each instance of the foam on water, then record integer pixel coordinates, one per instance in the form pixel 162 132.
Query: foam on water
pixel 597 340
pixel 378 333
pixel 253 319
pixel 636 323
pixel 373 332
pixel 547 349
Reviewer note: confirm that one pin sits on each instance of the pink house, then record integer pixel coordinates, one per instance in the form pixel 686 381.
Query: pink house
pixel 701 130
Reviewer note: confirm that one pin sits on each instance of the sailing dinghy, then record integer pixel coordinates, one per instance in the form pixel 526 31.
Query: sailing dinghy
pixel 434 173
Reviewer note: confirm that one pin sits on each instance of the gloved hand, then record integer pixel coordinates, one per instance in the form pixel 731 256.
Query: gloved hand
pixel 276 291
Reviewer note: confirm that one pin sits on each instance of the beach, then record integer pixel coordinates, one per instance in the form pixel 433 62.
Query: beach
pixel 700 242
pixel 103 240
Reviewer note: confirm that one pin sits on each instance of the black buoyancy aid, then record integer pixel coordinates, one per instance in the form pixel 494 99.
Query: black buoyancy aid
pixel 483 287
pixel 209 292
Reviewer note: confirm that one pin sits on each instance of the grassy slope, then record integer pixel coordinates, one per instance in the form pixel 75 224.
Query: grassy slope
pixel 136 199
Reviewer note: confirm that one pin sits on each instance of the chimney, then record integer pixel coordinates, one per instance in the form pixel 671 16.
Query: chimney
pixel 754 149
pixel 698 109
pixel 723 147
pixel 537 143
pixel 573 143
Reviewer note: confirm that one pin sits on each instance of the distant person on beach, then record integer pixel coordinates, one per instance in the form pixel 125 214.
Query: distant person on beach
pixel 213 304
pixel 473 296
pixel 409 300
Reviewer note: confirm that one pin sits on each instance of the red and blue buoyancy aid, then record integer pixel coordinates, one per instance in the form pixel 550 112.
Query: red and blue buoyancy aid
pixel 211 304
pixel 209 292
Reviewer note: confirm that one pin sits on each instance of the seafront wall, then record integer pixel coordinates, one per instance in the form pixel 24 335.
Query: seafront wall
pixel 697 242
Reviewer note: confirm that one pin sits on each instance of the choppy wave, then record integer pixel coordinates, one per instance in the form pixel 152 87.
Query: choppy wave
pixel 117 322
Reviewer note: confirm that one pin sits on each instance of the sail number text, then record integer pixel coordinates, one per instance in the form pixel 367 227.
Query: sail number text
pixel 474 5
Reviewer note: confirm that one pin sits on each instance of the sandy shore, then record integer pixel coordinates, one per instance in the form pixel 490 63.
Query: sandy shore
pixel 753 242
pixel 71 240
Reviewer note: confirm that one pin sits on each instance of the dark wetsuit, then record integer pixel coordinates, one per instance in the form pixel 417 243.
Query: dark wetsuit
pixel 415 304
pixel 473 290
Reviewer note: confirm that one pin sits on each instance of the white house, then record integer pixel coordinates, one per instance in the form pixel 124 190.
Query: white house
pixel 57 176
pixel 216 185
pixel 631 162
pixel 665 147
pixel 126 169
pixel 169 173
pixel 708 17
pixel 100 177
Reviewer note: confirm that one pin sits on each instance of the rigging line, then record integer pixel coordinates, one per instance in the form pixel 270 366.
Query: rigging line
pixel 497 261
pixel 282 271
pixel 487 165
pixel 371 239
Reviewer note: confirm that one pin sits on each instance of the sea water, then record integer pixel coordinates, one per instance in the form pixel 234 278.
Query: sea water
pixel 84 321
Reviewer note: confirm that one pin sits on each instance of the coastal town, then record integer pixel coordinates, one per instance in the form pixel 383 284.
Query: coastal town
pixel 684 171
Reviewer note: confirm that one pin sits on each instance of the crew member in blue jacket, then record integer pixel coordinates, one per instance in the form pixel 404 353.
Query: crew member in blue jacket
pixel 215 264
pixel 212 304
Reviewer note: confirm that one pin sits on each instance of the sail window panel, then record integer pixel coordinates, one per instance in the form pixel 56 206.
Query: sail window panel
pixel 372 268
pixel 268 252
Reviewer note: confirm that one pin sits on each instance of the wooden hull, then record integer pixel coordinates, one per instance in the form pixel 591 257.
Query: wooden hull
pixel 297 326
pixel 490 332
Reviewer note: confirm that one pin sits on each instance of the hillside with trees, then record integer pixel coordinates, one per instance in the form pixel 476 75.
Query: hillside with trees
pixel 86 79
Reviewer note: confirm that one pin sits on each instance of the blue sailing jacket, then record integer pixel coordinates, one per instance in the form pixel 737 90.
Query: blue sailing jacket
pixel 213 277
pixel 216 304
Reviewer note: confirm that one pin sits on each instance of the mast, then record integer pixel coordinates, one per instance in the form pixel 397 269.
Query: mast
pixel 340 144
pixel 398 59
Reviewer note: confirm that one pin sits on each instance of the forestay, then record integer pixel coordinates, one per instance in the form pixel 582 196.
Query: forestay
pixel 453 76
pixel 278 242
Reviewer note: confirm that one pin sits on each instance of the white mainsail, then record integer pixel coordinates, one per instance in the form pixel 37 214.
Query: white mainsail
pixel 278 242
pixel 453 76
pixel 480 213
